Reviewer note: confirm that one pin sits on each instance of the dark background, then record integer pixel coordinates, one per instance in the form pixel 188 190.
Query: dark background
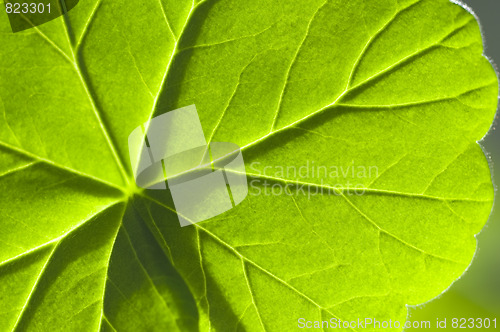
pixel 477 293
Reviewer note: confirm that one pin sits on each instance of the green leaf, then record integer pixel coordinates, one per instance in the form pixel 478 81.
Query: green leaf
pixel 399 87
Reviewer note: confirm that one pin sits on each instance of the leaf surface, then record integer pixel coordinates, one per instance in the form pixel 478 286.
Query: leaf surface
pixel 400 88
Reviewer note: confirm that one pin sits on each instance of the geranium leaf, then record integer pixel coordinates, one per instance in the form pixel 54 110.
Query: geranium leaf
pixel 358 122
